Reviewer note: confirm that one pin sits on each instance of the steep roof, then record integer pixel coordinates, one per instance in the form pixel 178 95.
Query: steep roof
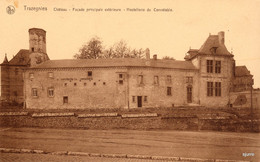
pixel 242 71
pixel 213 42
pixel 21 58
pixel 116 62
pixel 214 45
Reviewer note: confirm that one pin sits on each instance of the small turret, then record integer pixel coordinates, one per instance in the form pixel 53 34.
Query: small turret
pixel 5 60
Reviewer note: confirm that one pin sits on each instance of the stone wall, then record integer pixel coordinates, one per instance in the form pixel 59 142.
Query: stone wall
pixel 141 122
pixel 243 99
pixel 105 88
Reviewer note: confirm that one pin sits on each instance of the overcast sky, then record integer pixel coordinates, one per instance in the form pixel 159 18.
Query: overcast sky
pixel 164 33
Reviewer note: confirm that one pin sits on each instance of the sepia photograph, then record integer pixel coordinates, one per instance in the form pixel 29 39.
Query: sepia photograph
pixel 132 80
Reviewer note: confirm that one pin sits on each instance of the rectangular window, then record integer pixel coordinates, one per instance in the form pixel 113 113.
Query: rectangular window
pixel 65 84
pixel 140 79
pixel 34 92
pixel 133 98
pixel 65 99
pixel 121 78
pixel 31 75
pixel 218 67
pixel 156 80
pixel 210 66
pixel 169 91
pixel 89 73
pixel 169 79
pixel 217 88
pixel 145 98
pixel 50 92
pixel 209 88
pixel 189 80
pixel 50 74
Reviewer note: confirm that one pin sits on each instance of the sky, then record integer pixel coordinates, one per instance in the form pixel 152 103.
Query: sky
pixel 165 33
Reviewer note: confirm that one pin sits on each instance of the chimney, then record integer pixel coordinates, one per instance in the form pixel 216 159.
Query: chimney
pixel 147 53
pixel 221 37
pixel 155 57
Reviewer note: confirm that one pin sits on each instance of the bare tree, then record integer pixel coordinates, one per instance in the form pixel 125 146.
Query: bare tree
pixel 91 50
pixel 94 50
pixel 168 58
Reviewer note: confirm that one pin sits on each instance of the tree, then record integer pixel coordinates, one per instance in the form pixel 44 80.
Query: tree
pixel 94 50
pixel 91 50
pixel 168 58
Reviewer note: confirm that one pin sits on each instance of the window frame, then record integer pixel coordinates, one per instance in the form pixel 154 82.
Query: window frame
pixel 133 99
pixel 209 66
pixel 140 79
pixel 218 89
pixel 218 67
pixel 65 98
pixel 156 80
pixel 189 79
pixel 210 89
pixel 34 92
pixel 31 75
pixel 48 92
pixel 169 91
pixel 50 76
pixel 145 99
pixel 90 74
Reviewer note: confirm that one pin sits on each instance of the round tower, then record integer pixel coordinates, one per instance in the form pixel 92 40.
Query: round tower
pixel 37 46
pixel 37 40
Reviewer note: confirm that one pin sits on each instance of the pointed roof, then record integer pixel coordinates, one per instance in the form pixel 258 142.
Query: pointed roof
pixel 214 45
pixel 5 60
pixel 21 58
pixel 211 43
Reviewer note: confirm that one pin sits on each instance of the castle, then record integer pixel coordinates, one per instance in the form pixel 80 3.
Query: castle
pixel 208 77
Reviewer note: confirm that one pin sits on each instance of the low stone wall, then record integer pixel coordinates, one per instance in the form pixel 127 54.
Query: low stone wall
pixel 146 121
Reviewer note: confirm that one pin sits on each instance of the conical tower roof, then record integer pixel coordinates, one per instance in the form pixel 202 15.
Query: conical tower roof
pixel 5 60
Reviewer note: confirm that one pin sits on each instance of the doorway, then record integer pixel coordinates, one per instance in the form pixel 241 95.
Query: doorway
pixel 189 94
pixel 139 101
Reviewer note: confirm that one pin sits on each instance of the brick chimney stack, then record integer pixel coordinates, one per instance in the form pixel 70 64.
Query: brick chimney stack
pixel 221 37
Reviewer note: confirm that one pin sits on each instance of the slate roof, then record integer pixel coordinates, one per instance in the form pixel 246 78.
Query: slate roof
pixel 116 62
pixel 21 58
pixel 242 71
pixel 211 42
pixel 208 47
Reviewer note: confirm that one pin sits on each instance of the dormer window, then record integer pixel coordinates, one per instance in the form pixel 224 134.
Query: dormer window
pixel 213 50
